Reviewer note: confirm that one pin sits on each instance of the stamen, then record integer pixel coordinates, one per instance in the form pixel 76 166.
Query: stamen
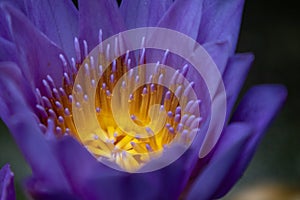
pixel 42 111
pixel 147 106
pixel 47 88
pixel 85 48
pixel 77 50
pixel 165 57
pixel 74 68
pixel 46 102
pixel 64 62
pixel 100 37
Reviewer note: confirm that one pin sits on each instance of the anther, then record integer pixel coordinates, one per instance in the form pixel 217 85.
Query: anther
pixel 67 112
pixel 58 105
pixel 64 62
pixel 185 70
pixel 165 57
pixel 74 68
pixel 62 92
pixel 98 110
pixel 46 102
pixel 86 69
pixel 77 50
pixel 67 79
pixel 58 130
pixel 52 113
pixel 70 98
pixel 56 94
pixel 114 66
pixel 85 48
pixel 100 37
pixel 42 111
pixel 60 119
pixel 47 88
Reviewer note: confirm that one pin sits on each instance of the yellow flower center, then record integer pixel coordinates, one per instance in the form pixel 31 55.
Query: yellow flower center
pixel 117 140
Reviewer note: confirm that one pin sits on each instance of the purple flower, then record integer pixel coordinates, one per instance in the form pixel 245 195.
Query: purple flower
pixel 7 191
pixel 39 63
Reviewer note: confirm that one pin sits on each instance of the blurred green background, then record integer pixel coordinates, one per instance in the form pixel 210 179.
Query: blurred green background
pixel 271 30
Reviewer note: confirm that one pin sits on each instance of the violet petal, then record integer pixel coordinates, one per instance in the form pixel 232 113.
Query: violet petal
pixel 219 53
pixel 221 20
pixel 23 125
pixel 257 108
pixel 57 19
pixel 146 13
pixel 183 16
pixel 234 76
pixel 19 4
pixel 96 15
pixel 86 175
pixel 12 76
pixel 8 50
pixel 7 189
pixel 39 57
pixel 225 154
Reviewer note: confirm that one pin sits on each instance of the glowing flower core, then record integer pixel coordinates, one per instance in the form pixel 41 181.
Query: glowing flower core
pixel 165 115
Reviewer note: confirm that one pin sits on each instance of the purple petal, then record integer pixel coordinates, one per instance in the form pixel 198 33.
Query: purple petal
pixel 84 167
pixel 96 15
pixel 143 13
pixel 38 57
pixel 36 190
pixel 219 52
pixel 7 189
pixel 257 108
pixel 46 171
pixel 23 125
pixel 4 30
pixel 225 154
pixel 58 19
pixel 221 20
pixel 86 175
pixel 8 50
pixel 11 77
pixel 234 76
pixel 19 4
pixel 183 16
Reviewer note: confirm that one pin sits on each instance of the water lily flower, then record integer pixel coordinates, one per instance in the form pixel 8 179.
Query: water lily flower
pixel 44 43
pixel 7 190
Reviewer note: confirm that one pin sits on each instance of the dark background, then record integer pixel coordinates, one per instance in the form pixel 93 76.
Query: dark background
pixel 271 30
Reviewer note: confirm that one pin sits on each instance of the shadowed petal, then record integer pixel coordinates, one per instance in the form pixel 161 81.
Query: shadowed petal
pixel 183 16
pixel 16 3
pixel 12 76
pixel 221 20
pixel 7 189
pixel 95 15
pixel 234 76
pixel 86 175
pixel 37 190
pixel 58 19
pixel 143 13
pixel 257 108
pixel 38 57
pixel 85 167
pixel 226 152
pixel 4 30
pixel 23 125
pixel 7 51
pixel 219 53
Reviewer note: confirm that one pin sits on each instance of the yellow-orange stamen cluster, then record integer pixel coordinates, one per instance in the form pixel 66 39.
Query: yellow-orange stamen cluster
pixel 129 151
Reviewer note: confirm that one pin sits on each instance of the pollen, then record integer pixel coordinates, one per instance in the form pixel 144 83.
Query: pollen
pixel 138 116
